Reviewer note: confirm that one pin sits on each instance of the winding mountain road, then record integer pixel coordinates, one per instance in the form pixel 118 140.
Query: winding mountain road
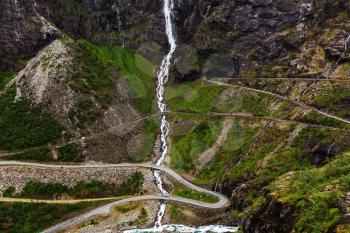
pixel 296 102
pixel 103 210
pixel 140 119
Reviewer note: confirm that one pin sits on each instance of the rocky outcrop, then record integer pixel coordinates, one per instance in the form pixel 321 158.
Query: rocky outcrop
pixel 272 216
pixel 23 32
pixel 252 33
pixel 44 79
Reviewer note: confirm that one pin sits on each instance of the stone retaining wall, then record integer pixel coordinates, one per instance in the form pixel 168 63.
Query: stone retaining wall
pixel 18 176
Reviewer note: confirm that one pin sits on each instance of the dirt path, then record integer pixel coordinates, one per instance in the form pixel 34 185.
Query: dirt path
pixel 209 154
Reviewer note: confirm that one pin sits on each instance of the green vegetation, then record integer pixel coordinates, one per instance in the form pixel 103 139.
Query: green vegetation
pixel 5 78
pixel 39 190
pixel 334 98
pixel 9 192
pixel 93 74
pixel 194 195
pixel 83 113
pixel 30 217
pixel 254 104
pixel 291 158
pixel 318 119
pixel 150 135
pixel 198 97
pixel 69 153
pixel 25 125
pixel 176 212
pixel 98 69
pixel 317 202
pixel 236 143
pixel 141 219
pixel 192 96
pixel 92 189
pixel 187 147
pixel 125 208
pixel 37 154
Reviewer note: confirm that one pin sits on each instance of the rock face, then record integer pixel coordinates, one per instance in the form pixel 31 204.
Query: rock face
pixel 270 217
pixel 44 79
pixel 253 33
pixel 23 32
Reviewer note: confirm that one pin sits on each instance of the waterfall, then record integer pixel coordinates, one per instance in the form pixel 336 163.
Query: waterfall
pixel 120 24
pixel 335 66
pixel 162 78
pixel 186 229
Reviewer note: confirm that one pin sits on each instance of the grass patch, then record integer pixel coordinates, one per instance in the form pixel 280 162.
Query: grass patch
pixel 150 135
pixel 69 153
pixel 176 213
pixel 141 219
pixel 194 195
pixel 125 208
pixel 37 154
pixel 237 141
pixel 137 71
pixel 192 96
pixel 334 98
pixel 5 78
pixel 186 148
pixel 250 164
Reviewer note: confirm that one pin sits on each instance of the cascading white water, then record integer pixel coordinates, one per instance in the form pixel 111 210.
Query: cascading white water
pixel 186 229
pixel 162 78
pixel 335 66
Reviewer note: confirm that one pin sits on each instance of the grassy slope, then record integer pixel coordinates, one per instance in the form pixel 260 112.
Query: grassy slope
pixel 5 78
pixel 265 164
pixel 235 144
pixel 186 148
pixel 200 98
pixel 138 72
pixel 99 64
pixel 199 196
pixel 316 202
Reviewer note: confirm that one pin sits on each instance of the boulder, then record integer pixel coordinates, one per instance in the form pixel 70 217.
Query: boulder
pixel 219 65
pixel 186 61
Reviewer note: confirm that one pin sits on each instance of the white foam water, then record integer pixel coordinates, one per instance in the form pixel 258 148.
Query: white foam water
pixel 162 78
pixel 186 229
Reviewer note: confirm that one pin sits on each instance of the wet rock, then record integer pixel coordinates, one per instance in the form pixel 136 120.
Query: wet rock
pixel 335 45
pixel 219 65
pixel 344 203
pixel 186 61
pixel 152 51
pixel 272 216
pixel 321 154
